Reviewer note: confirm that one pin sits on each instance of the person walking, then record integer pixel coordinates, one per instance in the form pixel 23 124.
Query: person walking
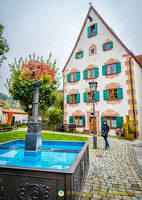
pixel 105 130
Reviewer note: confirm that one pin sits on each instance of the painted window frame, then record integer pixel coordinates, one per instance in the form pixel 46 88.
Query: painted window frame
pixel 91 73
pixel 74 74
pixel 91 97
pixel 113 94
pixel 79 53
pixel 72 96
pixel 111 68
pixel 78 125
pixel 110 43
pixel 95 51
pixel 93 25
pixel 110 118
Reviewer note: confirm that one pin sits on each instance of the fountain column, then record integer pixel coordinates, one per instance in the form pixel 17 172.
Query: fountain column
pixel 33 140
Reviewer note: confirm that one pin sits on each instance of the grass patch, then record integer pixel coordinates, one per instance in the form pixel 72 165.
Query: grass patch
pixel 8 136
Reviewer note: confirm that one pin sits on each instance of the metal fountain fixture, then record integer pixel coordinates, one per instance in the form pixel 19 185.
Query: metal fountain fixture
pixel 93 88
pixel 33 141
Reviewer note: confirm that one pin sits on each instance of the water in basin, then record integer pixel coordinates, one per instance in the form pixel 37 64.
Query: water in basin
pixel 53 155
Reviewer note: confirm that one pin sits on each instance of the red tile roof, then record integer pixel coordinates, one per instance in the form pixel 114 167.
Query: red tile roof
pixel 14 111
pixel 1 105
pixel 139 58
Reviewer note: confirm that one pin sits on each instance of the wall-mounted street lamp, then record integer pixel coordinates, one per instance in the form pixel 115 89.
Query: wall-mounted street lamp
pixel 93 88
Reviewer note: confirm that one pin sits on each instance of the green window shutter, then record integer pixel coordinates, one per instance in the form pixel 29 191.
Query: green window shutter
pixel 104 70
pixel 75 55
pixel 96 29
pixel 78 98
pixel 119 122
pixel 68 77
pixel 84 121
pixel 118 67
pixel 85 97
pixel 120 93
pixel 111 45
pixel 96 72
pixel 102 121
pixel 68 98
pixel 81 53
pixel 105 93
pixel 70 119
pixel 103 47
pixel 84 74
pixel 97 96
pixel 88 31
pixel 78 76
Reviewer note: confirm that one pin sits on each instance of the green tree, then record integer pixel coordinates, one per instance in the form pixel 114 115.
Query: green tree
pixel 4 47
pixel 59 100
pixel 24 93
pixel 55 116
pixel 5 103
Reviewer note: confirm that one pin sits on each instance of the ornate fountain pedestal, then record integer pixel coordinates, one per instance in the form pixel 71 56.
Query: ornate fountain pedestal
pixel 33 140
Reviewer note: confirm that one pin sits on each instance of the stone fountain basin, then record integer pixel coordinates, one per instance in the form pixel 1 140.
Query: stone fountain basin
pixel 35 183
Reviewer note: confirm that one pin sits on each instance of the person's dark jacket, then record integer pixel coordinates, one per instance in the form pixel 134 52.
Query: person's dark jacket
pixel 105 129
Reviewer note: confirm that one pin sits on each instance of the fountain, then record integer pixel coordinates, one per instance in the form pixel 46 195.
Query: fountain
pixel 33 169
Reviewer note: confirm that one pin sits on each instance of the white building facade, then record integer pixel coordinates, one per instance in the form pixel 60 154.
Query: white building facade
pixel 99 55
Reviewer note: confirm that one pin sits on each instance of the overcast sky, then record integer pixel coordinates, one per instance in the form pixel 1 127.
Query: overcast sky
pixel 44 26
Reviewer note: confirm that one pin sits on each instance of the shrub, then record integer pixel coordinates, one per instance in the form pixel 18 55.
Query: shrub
pixel 55 116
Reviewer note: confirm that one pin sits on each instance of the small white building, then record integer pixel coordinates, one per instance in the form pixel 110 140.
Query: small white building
pixel 18 115
pixel 101 56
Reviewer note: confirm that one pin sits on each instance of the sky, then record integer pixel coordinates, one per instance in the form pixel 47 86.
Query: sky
pixel 44 26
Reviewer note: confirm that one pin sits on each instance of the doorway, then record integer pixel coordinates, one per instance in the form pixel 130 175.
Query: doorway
pixel 92 124
pixel 13 121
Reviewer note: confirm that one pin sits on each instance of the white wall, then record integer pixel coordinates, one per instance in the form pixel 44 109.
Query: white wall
pixel 18 117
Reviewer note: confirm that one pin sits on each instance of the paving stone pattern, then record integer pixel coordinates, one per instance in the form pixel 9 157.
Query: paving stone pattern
pixel 112 173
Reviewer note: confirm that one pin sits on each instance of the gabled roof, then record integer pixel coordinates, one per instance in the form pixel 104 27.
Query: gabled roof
pixel 111 31
pixel 14 111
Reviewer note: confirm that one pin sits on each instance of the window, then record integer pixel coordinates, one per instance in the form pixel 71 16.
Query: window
pixel 90 73
pixel 111 121
pixel 78 121
pixel 79 54
pixel 92 30
pixel 73 98
pixel 92 50
pixel 89 97
pixel 112 94
pixel 73 77
pixel 107 46
pixel 111 69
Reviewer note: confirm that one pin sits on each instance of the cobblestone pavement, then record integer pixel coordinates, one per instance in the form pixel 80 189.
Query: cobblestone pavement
pixel 112 173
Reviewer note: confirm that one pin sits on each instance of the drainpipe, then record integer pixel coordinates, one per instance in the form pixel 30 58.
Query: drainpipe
pixel 132 90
